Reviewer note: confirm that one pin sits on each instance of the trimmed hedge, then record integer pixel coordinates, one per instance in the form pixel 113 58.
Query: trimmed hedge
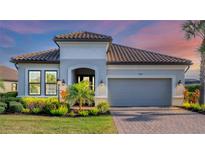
pixel 194 107
pixel 9 94
pixel 15 107
pixel 2 109
pixel 3 105
pixel 103 107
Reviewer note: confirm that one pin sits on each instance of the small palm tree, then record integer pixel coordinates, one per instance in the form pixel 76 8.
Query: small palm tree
pixel 192 30
pixel 80 93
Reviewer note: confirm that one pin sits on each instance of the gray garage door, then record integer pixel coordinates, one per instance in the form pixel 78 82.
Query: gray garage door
pixel 139 92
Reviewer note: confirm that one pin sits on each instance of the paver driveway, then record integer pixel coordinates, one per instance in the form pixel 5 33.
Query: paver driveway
pixel 158 120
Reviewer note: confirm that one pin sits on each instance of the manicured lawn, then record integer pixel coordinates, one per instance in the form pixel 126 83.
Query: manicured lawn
pixel 28 124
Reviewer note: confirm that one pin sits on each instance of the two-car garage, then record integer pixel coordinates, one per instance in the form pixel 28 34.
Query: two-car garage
pixel 140 91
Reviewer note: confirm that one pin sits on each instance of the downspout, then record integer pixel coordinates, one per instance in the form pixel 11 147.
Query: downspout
pixel 188 67
pixel 16 65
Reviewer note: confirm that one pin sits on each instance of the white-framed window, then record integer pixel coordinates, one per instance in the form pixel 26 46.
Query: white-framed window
pixel 50 82
pixel 34 82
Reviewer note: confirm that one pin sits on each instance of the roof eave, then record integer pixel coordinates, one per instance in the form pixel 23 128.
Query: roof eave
pixel 145 63
pixel 82 40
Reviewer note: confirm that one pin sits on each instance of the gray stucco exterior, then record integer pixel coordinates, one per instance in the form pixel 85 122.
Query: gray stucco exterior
pixel 92 55
pixel 23 76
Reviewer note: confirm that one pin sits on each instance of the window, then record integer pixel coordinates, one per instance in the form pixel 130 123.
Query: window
pixel 14 87
pixel 51 83
pixel 34 79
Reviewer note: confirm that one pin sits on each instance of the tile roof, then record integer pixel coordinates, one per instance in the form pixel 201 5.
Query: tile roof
pixel 117 54
pixel 8 74
pixel 82 36
pixel 46 56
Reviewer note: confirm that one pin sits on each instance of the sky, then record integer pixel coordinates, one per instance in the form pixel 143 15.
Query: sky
pixel 166 37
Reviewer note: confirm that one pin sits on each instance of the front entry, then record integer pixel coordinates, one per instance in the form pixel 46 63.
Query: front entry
pixel 84 74
pixel 89 78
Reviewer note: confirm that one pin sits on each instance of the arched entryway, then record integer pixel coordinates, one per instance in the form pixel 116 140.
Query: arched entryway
pixel 84 74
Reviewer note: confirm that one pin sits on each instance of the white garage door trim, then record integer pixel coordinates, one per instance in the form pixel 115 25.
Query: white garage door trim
pixel 172 77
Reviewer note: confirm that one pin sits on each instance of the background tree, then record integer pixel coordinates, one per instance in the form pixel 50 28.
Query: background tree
pixel 192 30
pixel 80 93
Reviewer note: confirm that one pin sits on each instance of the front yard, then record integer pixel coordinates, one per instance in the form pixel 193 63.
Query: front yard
pixel 28 124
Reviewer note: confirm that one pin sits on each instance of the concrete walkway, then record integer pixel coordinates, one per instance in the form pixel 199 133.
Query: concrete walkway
pixel 145 120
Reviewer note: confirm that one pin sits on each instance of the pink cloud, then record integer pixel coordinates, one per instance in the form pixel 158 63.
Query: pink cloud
pixel 166 37
pixel 113 27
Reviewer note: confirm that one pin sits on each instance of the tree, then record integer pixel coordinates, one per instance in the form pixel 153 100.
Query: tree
pixel 192 30
pixel 80 93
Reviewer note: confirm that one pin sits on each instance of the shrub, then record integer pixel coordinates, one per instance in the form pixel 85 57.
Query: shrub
pixel 36 110
pixel 186 105
pixel 60 111
pixel 37 104
pixel 192 88
pixel 3 105
pixel 7 100
pixel 2 109
pixel 103 107
pixel 94 111
pixel 71 114
pixel 83 113
pixel 9 94
pixel 191 97
pixel 196 107
pixel 25 111
pixel 15 107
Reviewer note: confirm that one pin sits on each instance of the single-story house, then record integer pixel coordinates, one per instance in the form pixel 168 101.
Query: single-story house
pixel 9 77
pixel 123 75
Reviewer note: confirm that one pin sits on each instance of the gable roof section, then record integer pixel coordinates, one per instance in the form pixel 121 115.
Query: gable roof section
pixel 117 54
pixel 8 74
pixel 83 36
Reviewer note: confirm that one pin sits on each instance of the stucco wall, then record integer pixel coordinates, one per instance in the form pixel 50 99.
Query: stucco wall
pixel 176 73
pixel 74 55
pixel 23 76
pixel 83 50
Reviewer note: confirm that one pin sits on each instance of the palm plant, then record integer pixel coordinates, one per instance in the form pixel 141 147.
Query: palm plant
pixel 192 30
pixel 80 93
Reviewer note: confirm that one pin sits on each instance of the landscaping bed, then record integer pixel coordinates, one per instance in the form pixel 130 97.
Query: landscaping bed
pixel 191 99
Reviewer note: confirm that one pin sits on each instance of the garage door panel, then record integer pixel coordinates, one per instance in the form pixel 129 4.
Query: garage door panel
pixel 139 92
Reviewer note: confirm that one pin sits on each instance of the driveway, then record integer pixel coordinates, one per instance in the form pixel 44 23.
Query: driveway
pixel 139 120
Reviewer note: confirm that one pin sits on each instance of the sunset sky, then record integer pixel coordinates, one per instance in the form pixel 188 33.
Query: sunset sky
pixel 19 37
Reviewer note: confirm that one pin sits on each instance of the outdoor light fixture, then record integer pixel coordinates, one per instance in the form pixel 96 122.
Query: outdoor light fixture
pixel 63 82
pixel 101 82
pixel 179 82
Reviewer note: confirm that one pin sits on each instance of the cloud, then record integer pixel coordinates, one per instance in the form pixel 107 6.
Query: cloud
pixel 35 26
pixel 115 27
pixel 168 38
pixel 6 41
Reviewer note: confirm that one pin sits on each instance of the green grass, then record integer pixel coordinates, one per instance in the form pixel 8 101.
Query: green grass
pixel 28 124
